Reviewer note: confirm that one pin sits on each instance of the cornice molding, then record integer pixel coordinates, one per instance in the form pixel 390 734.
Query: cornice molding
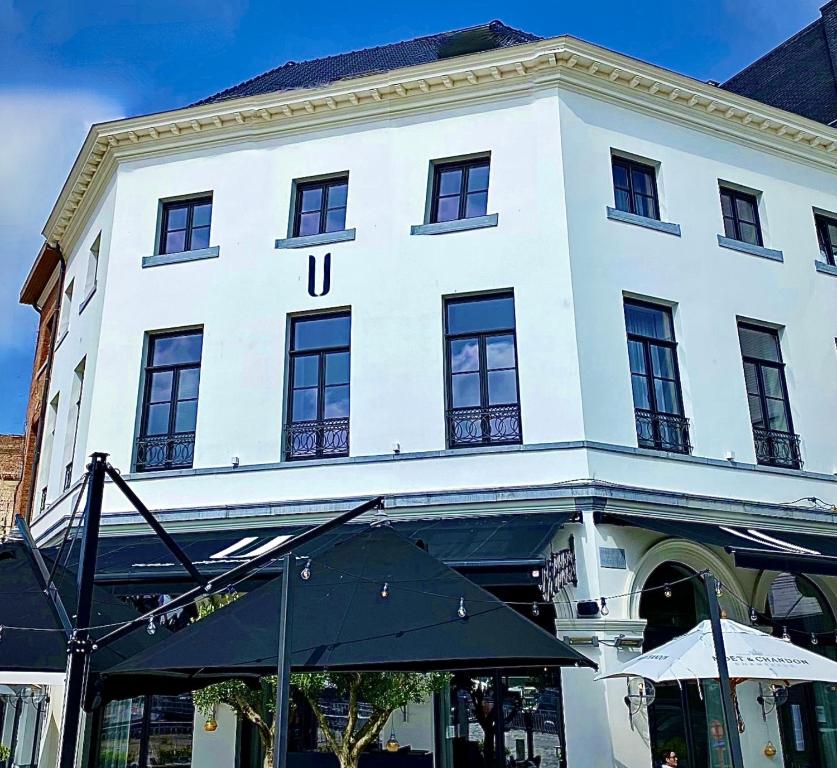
pixel 561 61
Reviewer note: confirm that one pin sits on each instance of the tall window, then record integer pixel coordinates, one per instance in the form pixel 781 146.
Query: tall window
pixel 635 188
pixel 767 396
pixel 92 266
pixel 481 352
pixel 741 216
pixel 318 397
pixel 185 225
pixel 655 378
pixel 827 236
pixel 66 307
pixel 460 190
pixel 170 401
pixel 71 435
pixel 320 206
pixel 45 457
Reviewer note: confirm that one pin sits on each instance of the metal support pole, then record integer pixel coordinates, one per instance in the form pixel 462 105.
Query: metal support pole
pixel 80 645
pixel 499 721
pixel 730 720
pixel 283 676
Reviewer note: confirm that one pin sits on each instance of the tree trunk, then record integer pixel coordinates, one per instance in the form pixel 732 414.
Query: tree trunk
pixel 268 758
pixel 347 760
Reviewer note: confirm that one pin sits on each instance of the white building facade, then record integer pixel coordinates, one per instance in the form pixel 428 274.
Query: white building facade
pixel 555 283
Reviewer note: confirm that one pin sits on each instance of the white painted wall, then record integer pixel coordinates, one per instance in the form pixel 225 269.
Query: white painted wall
pixel 216 749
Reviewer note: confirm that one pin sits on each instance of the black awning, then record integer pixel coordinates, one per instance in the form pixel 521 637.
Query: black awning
pixel 501 550
pixel 342 622
pixel 753 547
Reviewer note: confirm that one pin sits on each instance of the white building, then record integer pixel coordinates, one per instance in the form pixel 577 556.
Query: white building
pixel 506 237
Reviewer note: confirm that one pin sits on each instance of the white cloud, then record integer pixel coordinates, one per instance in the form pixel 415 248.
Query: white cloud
pixel 40 135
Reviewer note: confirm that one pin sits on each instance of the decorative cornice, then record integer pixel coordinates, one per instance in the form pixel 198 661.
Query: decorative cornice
pixel 562 61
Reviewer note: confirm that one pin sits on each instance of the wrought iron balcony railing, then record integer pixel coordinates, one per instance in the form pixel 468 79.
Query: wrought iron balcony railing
pixel 776 448
pixel 663 431
pixel 317 439
pixel 165 452
pixel 42 505
pixel 494 425
pixel 68 475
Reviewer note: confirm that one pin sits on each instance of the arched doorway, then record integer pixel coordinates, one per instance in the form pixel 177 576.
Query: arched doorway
pixel 808 721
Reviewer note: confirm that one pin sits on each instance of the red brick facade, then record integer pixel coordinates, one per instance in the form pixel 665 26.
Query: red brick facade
pixel 11 469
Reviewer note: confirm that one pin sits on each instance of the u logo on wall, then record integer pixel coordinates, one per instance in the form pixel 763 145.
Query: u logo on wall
pixel 324 284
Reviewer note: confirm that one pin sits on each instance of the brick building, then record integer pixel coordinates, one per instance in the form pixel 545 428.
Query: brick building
pixel 11 467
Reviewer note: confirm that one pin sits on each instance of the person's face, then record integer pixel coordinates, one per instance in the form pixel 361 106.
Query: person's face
pixel 671 758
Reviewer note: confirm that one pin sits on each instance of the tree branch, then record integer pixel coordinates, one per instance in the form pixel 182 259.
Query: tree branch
pixel 254 717
pixel 322 721
pixel 370 730
pixel 351 719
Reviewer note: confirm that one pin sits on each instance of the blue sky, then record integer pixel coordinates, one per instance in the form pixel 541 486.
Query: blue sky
pixel 65 65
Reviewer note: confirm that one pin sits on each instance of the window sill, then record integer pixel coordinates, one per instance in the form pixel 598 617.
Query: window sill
pixel 86 300
pixel 326 238
pixel 614 214
pixel 181 257
pixel 826 269
pixel 753 250
pixel 458 225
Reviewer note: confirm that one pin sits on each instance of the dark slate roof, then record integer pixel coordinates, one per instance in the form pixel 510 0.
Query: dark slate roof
pixel 800 74
pixel 409 53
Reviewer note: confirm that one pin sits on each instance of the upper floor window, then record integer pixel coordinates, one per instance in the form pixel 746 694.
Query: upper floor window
pixel 767 396
pixel 92 266
pixel 655 378
pixel 170 401
pixel 827 236
pixel 185 224
pixel 460 190
pixel 481 361
pixel 741 216
pixel 635 187
pixel 64 314
pixel 320 206
pixel 318 387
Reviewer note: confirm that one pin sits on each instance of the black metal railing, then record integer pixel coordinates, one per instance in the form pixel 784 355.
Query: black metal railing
pixel 317 439
pixel 68 475
pixel 776 448
pixel 663 431
pixel 42 506
pixel 494 425
pixel 165 452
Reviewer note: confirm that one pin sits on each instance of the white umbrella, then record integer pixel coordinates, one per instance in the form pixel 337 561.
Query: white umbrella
pixel 751 655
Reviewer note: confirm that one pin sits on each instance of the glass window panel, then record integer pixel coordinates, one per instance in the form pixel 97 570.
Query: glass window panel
pixel 450 182
pixel 751 377
pixel 499 352
pixel 336 220
pixel 620 175
pixel 186 416
pixel 160 387
pixel 643 320
pixel 662 361
pixel 643 181
pixel 729 228
pixel 486 314
pixel 466 390
pixel 202 215
pixel 304 405
pixel 645 206
pixel 726 204
pixel 667 396
pixel 639 385
pixel 502 387
pixel 777 415
pixel 749 233
pixel 623 200
pixel 175 242
pixel 306 370
pixel 337 194
pixel 200 238
pixel 187 383
pixel 759 344
pixel 311 199
pixel 476 204
pixel 478 178
pixel 831 245
pixel 746 209
pixel 756 417
pixel 177 217
pixel 772 379
pixel 119 743
pixel 464 355
pixel 322 332
pixel 337 402
pixel 171 350
pixel 309 224
pixel 157 419
pixel 170 732
pixel 337 368
pixel 636 355
pixel 447 209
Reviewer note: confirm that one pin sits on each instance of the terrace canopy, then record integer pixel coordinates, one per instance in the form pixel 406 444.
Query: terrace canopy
pixel 374 601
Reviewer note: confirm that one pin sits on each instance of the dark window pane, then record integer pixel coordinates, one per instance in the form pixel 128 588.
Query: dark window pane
pixel 643 181
pixel 309 224
pixel 481 315
pixel 450 182
pixel 304 405
pixel 759 344
pixel 186 416
pixel 337 402
pixel 623 200
pixel 200 238
pixel 756 416
pixel 478 178
pixel 645 206
pixel 177 217
pixel 447 209
pixel 772 379
pixel 322 332
pixel 336 220
pixel 620 175
pixel 172 350
pixel 306 370
pixel 175 242
pixel 466 390
pixel 654 322
pixel 157 420
pixel 188 381
pixel 751 378
pixel 499 352
pixel 639 385
pixel 667 397
pixel 202 215
pixel 729 228
pixel 726 204
pixel 662 361
pixel 169 732
pixel 636 355
pixel 746 210
pixel 337 194
pixel 502 387
pixel 464 355
pixel 311 199
pixel 749 233
pixel 337 368
pixel 476 204
pixel 777 415
pixel 161 387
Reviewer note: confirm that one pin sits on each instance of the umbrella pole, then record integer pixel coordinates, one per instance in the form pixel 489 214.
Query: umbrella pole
pixel 80 645
pixel 283 676
pixel 730 720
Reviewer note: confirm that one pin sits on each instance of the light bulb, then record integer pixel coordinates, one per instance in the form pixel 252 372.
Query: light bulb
pixel 814 640
pixel 785 635
pixel 667 590
pixel 605 609
pixel 152 627
pixel 718 589
pixel 305 573
pixel 385 590
pixel 536 610
pixel 462 611
pixel 753 616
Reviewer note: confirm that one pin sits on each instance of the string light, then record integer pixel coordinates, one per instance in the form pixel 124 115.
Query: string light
pixel 667 590
pixel 462 612
pixel 536 610
pixel 605 610
pixel 753 616
pixel 385 590
pixel 785 635
pixel 718 589
pixel 814 640
pixel 152 627
pixel 305 573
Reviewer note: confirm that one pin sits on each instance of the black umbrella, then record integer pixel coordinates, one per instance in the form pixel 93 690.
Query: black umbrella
pixel 374 601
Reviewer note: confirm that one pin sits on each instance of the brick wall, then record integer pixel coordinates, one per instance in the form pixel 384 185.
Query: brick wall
pixel 11 469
